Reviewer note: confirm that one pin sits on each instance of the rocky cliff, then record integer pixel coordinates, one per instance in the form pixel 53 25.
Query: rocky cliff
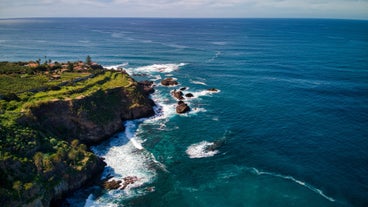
pixel 44 135
pixel 92 118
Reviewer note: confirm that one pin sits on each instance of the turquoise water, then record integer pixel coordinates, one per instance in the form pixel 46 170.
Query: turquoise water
pixel 290 117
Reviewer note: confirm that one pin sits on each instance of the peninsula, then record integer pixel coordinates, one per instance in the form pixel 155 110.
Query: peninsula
pixel 50 113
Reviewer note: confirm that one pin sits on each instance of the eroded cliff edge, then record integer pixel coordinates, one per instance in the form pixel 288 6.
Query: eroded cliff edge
pixel 45 135
pixel 92 118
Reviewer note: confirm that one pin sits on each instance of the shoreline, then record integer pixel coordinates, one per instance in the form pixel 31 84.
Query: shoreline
pixel 67 117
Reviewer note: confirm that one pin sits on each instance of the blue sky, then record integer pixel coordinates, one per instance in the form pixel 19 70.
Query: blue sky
pixel 345 9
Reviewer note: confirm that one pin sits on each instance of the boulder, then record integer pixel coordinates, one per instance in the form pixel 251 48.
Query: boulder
pixel 183 88
pixel 189 95
pixel 112 184
pixel 169 82
pixel 129 180
pixel 182 107
pixel 177 94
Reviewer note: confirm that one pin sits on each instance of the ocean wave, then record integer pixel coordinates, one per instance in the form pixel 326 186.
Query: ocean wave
pixel 115 67
pixel 201 150
pixel 198 94
pixel 125 156
pixel 218 53
pixel 162 68
pixel 198 82
pixel 219 43
pixel 287 177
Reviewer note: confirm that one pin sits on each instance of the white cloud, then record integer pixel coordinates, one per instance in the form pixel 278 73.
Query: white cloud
pixel 186 8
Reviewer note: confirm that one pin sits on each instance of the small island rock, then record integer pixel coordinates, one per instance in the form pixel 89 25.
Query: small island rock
pixel 182 107
pixel 169 82
pixel 189 95
pixel 178 94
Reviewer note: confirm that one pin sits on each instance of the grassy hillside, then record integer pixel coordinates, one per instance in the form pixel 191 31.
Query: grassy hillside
pixel 34 160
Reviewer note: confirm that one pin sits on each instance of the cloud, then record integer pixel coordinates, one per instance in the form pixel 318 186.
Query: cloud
pixel 185 8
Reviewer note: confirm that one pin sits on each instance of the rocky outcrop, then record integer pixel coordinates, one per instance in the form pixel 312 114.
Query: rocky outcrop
pixel 112 184
pixel 93 118
pixel 118 184
pixel 169 82
pixel 177 94
pixel 73 182
pixel 147 87
pixel 182 107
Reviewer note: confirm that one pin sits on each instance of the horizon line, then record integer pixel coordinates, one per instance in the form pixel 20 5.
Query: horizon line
pixel 91 17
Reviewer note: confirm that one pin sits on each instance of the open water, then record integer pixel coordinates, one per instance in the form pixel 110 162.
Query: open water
pixel 288 126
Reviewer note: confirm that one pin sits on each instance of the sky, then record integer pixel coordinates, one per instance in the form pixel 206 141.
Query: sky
pixel 341 9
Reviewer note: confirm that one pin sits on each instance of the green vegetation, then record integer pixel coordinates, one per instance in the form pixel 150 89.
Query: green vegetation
pixel 32 159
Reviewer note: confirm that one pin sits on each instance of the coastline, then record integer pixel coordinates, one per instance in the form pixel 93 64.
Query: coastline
pixel 92 110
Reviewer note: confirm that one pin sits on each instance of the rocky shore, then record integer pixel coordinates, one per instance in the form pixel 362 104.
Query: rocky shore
pixel 47 141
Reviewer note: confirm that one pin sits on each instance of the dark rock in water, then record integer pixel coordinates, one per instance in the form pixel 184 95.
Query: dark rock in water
pixel 215 145
pixel 183 88
pixel 189 95
pixel 178 94
pixel 118 184
pixel 129 180
pixel 112 185
pixel 147 87
pixel 169 82
pixel 213 89
pixel 182 107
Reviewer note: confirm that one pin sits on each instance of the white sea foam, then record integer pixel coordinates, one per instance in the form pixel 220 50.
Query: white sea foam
pixel 115 67
pixel 198 82
pixel 287 177
pixel 125 156
pixel 219 43
pixel 162 68
pixel 200 150
pixel 197 94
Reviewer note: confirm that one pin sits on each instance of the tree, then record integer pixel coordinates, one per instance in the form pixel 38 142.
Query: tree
pixel 88 60
pixel 17 185
pixel 74 143
pixel 38 161
pixel 70 66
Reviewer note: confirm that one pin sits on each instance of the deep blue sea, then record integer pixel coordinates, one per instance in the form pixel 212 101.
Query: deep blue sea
pixel 290 119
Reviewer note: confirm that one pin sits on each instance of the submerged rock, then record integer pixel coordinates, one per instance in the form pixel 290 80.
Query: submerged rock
pixel 213 89
pixel 182 107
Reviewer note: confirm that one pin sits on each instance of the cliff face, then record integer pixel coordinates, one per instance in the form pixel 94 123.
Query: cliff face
pixel 92 118
pixel 46 139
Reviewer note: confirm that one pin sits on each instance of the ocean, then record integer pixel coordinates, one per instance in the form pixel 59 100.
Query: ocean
pixel 288 125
